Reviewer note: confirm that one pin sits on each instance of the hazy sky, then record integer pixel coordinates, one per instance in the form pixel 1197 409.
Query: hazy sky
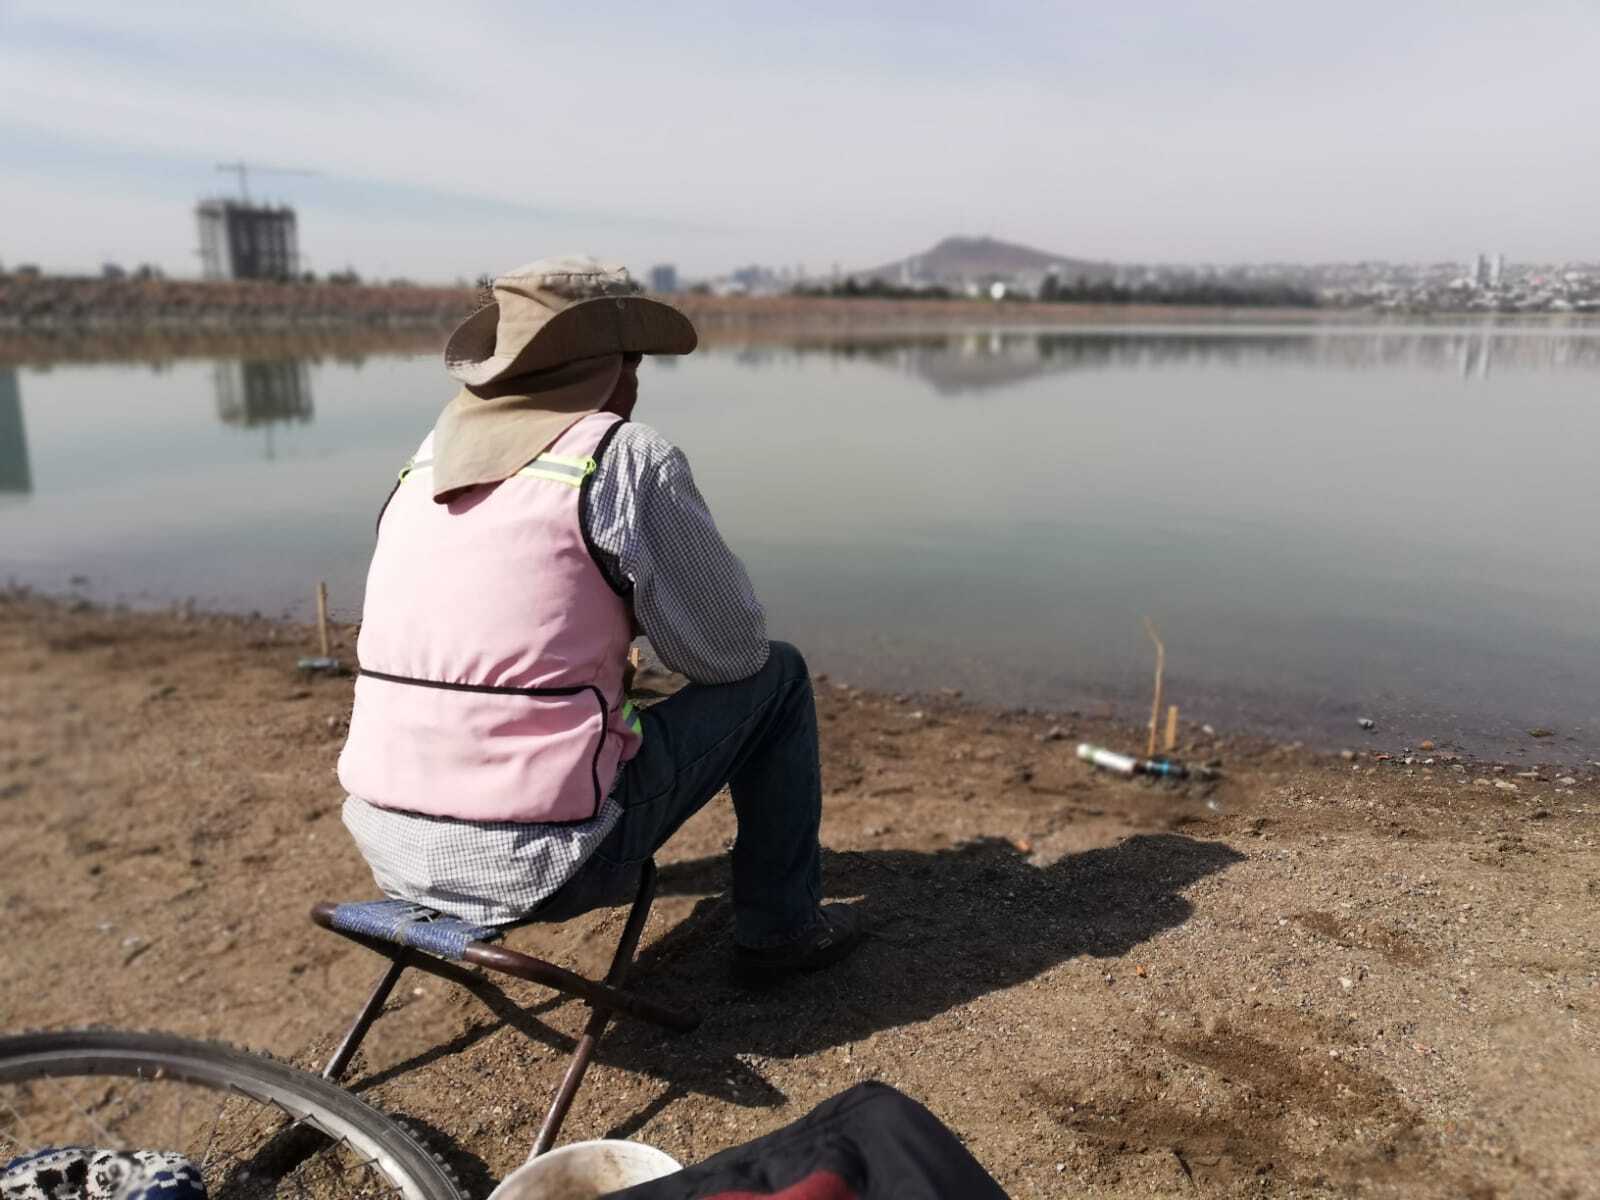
pixel 461 137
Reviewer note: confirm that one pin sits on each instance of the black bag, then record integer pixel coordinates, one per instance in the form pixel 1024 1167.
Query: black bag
pixel 869 1143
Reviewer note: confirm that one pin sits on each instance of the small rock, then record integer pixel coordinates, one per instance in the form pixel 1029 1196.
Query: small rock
pixel 1208 731
pixel 1505 785
pixel 1534 775
pixel 1054 734
pixel 915 714
pixel 1567 781
pixel 1346 982
pixel 1426 744
pixel 1480 783
pixel 1348 755
pixel 1539 814
pixel 1366 723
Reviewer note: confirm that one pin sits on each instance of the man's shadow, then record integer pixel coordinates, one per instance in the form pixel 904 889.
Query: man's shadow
pixel 943 928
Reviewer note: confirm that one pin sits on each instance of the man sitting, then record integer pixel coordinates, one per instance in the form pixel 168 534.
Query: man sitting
pixel 494 765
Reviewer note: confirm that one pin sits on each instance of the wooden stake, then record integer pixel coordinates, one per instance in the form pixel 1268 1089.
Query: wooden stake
pixel 1172 729
pixel 1155 706
pixel 322 617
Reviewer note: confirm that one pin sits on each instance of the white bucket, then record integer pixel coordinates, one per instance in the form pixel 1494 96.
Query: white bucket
pixel 585 1170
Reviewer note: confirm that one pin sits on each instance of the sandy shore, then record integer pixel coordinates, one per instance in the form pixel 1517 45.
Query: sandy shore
pixel 1316 977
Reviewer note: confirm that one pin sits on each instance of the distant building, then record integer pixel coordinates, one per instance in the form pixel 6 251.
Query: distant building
pixel 1480 271
pixel 663 279
pixel 1497 271
pixel 247 241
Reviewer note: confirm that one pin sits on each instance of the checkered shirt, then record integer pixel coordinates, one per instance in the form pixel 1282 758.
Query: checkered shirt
pixel 654 539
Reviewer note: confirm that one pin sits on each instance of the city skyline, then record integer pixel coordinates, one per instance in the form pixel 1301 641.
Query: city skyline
pixel 712 137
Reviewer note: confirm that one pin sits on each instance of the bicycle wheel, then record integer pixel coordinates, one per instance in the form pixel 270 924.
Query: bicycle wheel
pixel 256 1128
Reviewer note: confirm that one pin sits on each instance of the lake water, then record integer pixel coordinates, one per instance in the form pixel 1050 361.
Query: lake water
pixel 1326 523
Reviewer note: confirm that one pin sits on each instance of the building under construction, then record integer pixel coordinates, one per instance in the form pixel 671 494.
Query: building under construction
pixel 239 240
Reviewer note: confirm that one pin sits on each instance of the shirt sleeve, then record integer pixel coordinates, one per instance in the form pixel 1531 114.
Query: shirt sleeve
pixel 691 595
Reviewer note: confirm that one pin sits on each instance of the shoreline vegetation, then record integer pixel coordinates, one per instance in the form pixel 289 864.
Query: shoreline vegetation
pixel 1197 294
pixel 47 319
pixel 1316 974
pixel 40 315
pixel 51 320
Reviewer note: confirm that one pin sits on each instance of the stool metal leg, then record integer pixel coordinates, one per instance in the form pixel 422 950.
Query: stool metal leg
pixel 598 1017
pixel 364 1019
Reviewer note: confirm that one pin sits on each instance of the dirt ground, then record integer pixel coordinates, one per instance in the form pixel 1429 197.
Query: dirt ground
pixel 1317 977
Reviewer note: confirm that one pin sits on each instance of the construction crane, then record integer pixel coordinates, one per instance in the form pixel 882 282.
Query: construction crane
pixel 243 169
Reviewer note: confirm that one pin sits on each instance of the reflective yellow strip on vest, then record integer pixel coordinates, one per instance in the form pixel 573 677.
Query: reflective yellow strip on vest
pixel 630 714
pixel 571 471
pixel 583 465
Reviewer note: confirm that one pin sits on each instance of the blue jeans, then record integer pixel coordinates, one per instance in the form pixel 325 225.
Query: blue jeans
pixel 757 737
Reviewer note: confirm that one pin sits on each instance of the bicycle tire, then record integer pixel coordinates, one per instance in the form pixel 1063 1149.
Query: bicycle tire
pixel 413 1169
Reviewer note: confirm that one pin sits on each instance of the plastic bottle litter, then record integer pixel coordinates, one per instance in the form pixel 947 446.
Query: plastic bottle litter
pixel 1125 764
pixel 1122 764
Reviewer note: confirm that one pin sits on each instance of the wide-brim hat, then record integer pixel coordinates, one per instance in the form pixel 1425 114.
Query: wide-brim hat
pixel 556 311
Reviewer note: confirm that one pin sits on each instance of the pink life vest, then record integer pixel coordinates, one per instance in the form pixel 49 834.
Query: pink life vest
pixel 492 649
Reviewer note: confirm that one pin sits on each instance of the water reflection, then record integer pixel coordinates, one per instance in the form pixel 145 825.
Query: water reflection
pixel 953 364
pixel 1476 355
pixel 263 394
pixel 1323 520
pixel 15 476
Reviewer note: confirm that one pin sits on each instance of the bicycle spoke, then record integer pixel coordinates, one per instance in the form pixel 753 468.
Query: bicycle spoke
pixel 110 1142
pixel 27 1131
pixel 205 1158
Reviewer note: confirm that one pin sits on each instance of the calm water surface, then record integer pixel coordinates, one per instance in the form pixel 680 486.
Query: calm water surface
pixel 1325 523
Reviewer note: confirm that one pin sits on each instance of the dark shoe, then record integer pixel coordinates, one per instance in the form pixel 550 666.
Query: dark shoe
pixel 837 931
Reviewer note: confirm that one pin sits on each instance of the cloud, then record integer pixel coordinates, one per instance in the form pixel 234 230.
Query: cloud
pixel 711 134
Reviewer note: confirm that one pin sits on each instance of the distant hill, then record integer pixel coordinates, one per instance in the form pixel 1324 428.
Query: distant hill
pixel 959 260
